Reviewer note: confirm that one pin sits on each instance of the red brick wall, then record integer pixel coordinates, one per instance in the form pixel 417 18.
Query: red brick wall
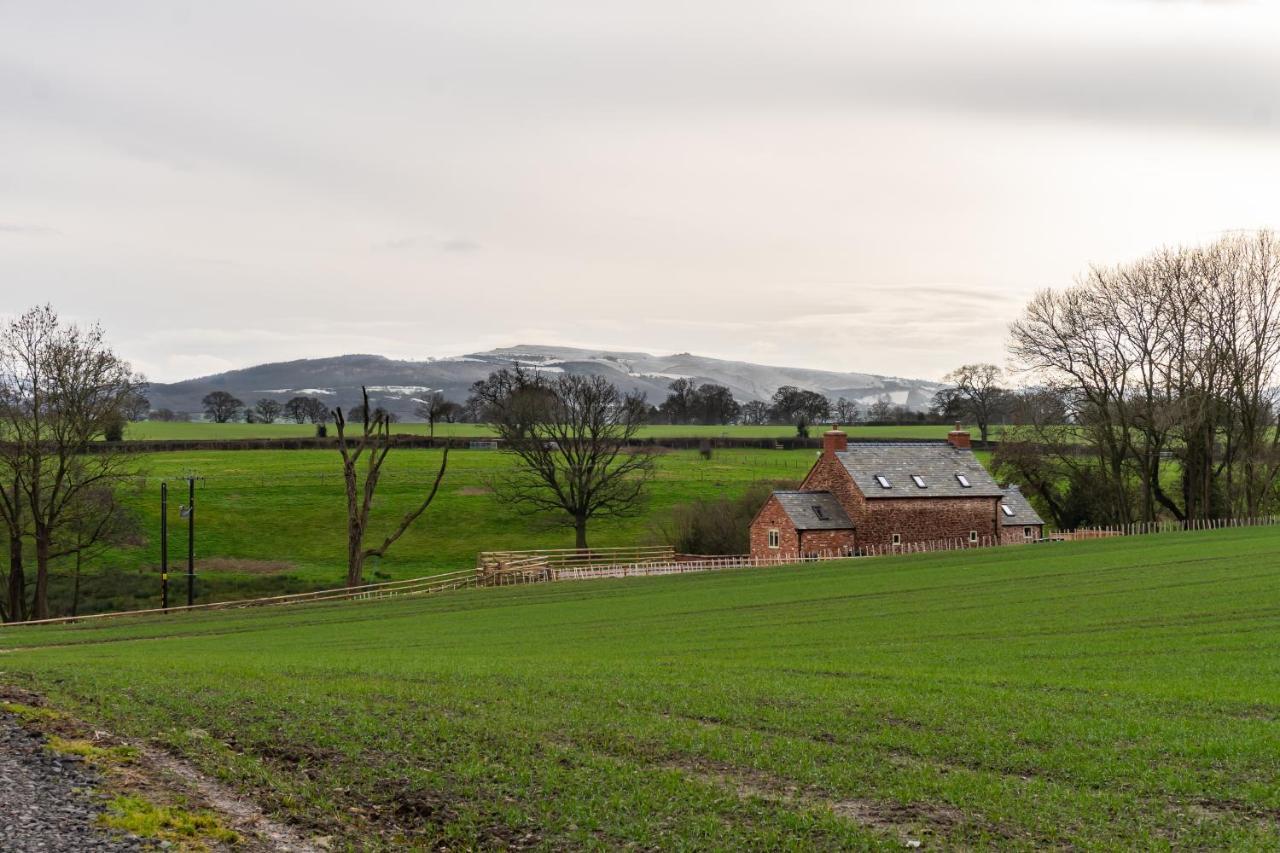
pixel 826 542
pixel 875 521
pixel 829 474
pixel 928 520
pixel 773 517
pixel 792 542
pixel 916 519
pixel 1014 534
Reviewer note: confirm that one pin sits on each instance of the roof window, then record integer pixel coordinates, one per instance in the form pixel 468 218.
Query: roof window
pixel 964 481
pixel 883 481
pixel 818 511
pixel 918 480
pixel 1007 510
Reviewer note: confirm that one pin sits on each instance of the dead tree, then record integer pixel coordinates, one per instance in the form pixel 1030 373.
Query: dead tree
pixel 572 438
pixel 361 480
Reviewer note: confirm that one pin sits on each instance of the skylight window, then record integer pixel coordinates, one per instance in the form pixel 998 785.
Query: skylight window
pixel 918 479
pixel 964 481
pixel 817 510
pixel 1008 510
pixel 883 481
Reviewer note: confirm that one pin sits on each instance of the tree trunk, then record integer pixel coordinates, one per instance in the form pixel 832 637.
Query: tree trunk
pixel 580 532
pixel 41 601
pixel 17 582
pixel 355 556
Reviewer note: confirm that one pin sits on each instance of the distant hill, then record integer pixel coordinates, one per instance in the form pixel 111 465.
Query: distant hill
pixel 397 385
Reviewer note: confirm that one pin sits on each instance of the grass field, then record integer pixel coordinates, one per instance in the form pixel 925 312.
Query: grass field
pixel 273 521
pixel 1107 695
pixel 196 431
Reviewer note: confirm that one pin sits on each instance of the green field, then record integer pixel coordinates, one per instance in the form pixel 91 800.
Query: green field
pixel 198 431
pixel 273 521
pixel 1117 694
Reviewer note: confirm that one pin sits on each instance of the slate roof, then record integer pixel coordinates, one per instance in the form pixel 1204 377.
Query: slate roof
pixel 1023 512
pixel 800 508
pixel 937 463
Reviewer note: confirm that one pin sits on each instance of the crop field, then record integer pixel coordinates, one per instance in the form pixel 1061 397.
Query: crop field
pixel 196 431
pixel 1118 694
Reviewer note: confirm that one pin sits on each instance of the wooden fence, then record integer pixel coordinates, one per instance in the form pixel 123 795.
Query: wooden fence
pixel 507 568
pixel 530 572
pixel 414 586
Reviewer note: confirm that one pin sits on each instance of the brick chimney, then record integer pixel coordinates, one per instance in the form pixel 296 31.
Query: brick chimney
pixel 834 441
pixel 959 438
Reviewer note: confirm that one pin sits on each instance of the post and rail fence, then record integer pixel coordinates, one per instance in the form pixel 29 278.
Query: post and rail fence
pixel 507 568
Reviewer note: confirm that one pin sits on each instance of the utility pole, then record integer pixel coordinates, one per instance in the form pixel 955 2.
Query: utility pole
pixel 190 512
pixel 164 545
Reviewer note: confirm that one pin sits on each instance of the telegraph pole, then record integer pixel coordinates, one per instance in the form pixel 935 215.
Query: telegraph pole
pixel 191 540
pixel 164 545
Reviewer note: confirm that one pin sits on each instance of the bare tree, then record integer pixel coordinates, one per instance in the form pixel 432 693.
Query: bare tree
pixel 755 413
pixel 845 411
pixel 978 393
pixel 317 412
pixel 138 407
pixel 436 408
pixel 881 411
pixel 267 410
pixel 571 436
pixel 96 522
pixel 361 480
pixel 296 409
pixel 221 407
pixel 61 387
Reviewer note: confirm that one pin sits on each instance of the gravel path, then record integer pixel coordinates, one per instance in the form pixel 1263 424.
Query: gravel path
pixel 46 804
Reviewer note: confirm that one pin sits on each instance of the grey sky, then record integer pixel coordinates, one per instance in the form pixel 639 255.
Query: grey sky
pixel 860 186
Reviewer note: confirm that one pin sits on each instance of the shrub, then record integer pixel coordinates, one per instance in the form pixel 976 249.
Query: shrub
pixel 719 525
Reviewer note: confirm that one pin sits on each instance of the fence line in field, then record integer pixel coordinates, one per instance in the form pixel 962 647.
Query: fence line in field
pixel 413 586
pixel 559 565
pixel 531 571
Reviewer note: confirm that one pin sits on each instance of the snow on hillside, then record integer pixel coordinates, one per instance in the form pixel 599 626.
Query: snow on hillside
pixel 397 383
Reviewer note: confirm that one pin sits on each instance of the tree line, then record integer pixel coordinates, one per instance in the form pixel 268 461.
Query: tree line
pixel 687 402
pixel 1153 388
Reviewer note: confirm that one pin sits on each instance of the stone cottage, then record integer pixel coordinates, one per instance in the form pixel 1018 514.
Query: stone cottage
pixel 890 493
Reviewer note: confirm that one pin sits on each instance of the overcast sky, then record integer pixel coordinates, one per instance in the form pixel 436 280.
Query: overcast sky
pixel 871 186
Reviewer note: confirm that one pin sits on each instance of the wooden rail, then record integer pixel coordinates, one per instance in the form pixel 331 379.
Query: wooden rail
pixel 521 567
pixel 414 586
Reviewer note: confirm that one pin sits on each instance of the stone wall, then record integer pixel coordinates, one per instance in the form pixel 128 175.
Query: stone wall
pixel 773 517
pixel 1014 534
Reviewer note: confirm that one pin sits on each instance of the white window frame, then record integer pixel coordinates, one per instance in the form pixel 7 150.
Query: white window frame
pixel 973 536
pixel 897 539
pixel 1026 533
pixel 919 481
pixel 883 481
pixel 964 481
pixel 775 538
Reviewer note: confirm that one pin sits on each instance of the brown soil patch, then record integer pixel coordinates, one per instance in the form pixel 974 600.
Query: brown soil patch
pixel 910 822
pixel 244 566
pixel 472 491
